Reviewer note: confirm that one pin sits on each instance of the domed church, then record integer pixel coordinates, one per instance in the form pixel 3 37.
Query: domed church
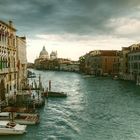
pixel 44 54
pixel 53 55
pixel 44 61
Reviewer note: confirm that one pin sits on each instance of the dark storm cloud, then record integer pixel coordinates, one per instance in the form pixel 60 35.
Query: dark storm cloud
pixel 59 16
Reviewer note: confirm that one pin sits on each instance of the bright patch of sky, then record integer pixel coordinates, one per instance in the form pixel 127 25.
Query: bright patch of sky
pixel 73 27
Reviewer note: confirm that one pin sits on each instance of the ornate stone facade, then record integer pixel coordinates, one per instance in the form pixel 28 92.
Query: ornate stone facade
pixel 22 61
pixel 9 60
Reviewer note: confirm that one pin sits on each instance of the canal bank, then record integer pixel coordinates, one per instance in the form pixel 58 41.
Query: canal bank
pixel 96 108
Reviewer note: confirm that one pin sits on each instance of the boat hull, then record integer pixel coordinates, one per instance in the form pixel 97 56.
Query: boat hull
pixel 55 94
pixel 11 132
pixel 11 128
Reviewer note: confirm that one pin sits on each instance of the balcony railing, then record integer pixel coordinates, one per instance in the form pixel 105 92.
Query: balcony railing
pixel 4 70
pixel 7 70
pixel 13 69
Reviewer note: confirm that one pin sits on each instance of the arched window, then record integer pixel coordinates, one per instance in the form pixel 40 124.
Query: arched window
pixel 7 88
pixel 2 62
pixel 14 62
pixel 8 62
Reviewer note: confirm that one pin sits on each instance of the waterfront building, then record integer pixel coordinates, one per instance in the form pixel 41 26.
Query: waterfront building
pixel 86 63
pixel 81 64
pixel 42 61
pixel 30 65
pixel 21 62
pixel 101 62
pixel 123 63
pixel 69 66
pixel 130 63
pixel 134 63
pixel 13 61
pixel 55 63
pixel 8 61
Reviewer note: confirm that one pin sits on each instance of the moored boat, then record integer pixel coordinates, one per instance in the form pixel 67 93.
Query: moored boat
pixel 11 128
pixel 21 118
pixel 54 94
pixel 26 118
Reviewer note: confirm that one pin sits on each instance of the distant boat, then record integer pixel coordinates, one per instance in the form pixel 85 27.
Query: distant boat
pixel 115 77
pixel 88 76
pixel 31 74
pixel 21 118
pixel 11 128
pixel 54 94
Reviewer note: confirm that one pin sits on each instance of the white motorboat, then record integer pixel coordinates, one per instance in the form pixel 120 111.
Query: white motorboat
pixel 11 128
pixel 4 115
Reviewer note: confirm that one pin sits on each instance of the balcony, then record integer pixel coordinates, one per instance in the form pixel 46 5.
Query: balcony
pixel 5 70
pixel 13 69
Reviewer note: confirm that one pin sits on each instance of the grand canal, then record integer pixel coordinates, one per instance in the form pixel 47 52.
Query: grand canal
pixel 97 108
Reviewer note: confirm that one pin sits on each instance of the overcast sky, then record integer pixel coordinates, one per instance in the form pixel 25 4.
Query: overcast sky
pixel 73 27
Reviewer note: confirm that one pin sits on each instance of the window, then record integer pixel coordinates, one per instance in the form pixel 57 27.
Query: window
pixel 10 87
pixel 14 86
pixel 7 88
pixel 15 76
pixel 106 60
pixel 10 77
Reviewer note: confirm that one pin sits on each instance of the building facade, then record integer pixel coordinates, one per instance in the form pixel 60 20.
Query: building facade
pixel 8 61
pixel 100 62
pixel 13 60
pixel 21 61
pixel 134 63
pixel 130 63
pixel 55 63
pixel 123 63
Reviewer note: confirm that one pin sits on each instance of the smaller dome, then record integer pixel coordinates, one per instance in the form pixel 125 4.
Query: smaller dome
pixel 53 55
pixel 44 53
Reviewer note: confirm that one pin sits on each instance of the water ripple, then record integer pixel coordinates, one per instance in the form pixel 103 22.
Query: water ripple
pixel 95 109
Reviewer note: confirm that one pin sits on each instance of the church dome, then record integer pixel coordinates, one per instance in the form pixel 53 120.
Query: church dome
pixel 53 55
pixel 44 53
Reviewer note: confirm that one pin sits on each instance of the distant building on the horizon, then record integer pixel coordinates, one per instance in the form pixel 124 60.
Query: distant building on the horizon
pixel 53 55
pixel 130 63
pixel 100 62
pixel 54 63
pixel 44 54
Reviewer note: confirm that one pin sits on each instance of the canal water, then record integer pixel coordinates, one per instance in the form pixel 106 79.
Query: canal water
pixel 97 108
